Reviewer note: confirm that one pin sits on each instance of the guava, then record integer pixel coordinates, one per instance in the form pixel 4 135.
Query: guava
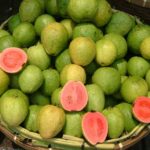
pixel 87 30
pixel 51 81
pixel 119 42
pixel 54 38
pixel 42 21
pixel 37 56
pixel 133 87
pixel 73 124
pixel 31 119
pixel 3 33
pixel 121 66
pixel 69 24
pixel 8 41
pixel 14 106
pixel 120 22
pixel 13 22
pixel 141 109
pixel 62 7
pixel 25 34
pixel 4 81
pixel 51 120
pixel 106 52
pixel 55 97
pixel 96 98
pixel 129 121
pixel 108 78
pixel 30 79
pixel 74 96
pixel 82 50
pixel 136 36
pixel 82 11
pixel 103 13
pixel 137 66
pixel 62 60
pixel 115 122
pixel 72 72
pixel 145 48
pixel 94 127
pixel 52 7
pixel 12 59
pixel 29 10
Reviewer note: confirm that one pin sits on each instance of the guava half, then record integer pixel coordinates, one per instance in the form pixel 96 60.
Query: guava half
pixel 12 59
pixel 141 109
pixel 74 96
pixel 94 127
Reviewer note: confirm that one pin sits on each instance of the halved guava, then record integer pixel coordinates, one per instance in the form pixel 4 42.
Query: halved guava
pixel 94 127
pixel 12 59
pixel 74 96
pixel 141 109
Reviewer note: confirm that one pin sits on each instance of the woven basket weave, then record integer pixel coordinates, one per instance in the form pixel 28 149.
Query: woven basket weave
pixel 142 3
pixel 139 8
pixel 33 141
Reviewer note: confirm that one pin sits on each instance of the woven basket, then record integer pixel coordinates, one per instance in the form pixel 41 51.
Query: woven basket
pixel 142 3
pixel 140 8
pixel 33 141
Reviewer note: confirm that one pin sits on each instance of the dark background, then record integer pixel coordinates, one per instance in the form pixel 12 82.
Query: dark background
pixel 9 7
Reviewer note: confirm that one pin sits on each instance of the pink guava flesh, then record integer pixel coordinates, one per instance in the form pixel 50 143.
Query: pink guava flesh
pixel 141 109
pixel 74 96
pixel 12 59
pixel 94 127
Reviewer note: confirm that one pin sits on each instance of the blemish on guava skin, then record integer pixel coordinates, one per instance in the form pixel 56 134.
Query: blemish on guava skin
pixel 16 96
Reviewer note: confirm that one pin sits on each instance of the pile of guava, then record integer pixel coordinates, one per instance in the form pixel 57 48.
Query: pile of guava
pixel 74 67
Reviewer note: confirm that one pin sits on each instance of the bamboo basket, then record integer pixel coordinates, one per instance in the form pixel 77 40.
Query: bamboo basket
pixel 139 8
pixel 33 141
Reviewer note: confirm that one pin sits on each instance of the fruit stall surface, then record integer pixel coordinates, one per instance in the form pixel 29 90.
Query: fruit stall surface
pixel 10 7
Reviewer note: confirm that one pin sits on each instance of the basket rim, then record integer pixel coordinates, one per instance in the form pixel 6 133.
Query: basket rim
pixel 29 143
pixel 133 9
pixel 142 3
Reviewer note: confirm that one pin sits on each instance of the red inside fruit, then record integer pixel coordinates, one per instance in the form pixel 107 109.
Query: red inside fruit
pixel 141 109
pixel 74 96
pixel 95 127
pixel 12 59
